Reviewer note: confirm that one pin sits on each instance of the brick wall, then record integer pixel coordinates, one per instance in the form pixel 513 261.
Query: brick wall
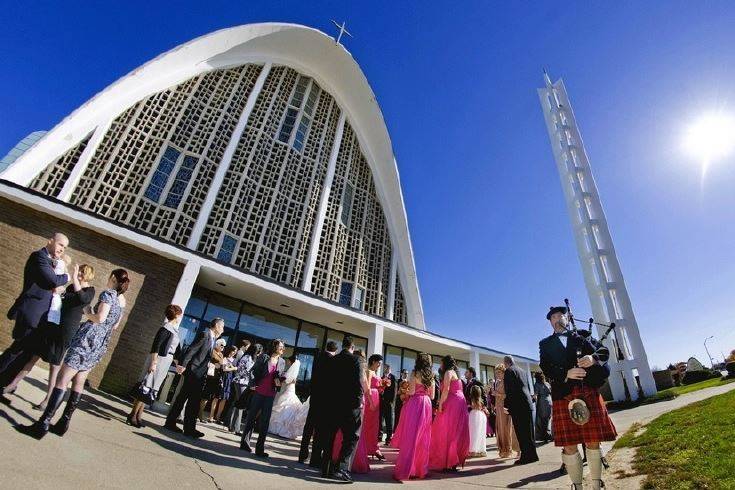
pixel 153 281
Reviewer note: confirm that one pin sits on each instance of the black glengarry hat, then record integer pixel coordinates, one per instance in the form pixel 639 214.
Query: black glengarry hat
pixel 555 309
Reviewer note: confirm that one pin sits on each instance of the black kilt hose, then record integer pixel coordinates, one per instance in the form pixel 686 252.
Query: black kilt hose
pixel 599 428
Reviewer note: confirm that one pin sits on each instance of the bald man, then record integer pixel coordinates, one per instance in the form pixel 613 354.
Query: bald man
pixel 31 307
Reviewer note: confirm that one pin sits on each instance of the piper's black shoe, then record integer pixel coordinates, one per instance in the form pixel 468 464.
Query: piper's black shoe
pixel 194 433
pixel 172 428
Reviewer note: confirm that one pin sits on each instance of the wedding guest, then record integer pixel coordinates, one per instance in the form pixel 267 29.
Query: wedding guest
pixel 343 413
pixel 244 344
pixel 56 337
pixel 162 353
pixel 450 432
pixel 413 433
pixel 213 384
pixel 402 396
pixel 371 420
pixel 387 399
pixel 194 364
pixel 267 377
pixel 478 424
pixel 240 381
pixel 470 380
pixel 31 307
pixel 506 436
pixel 490 404
pixel 519 405
pixel 360 462
pixel 315 420
pixel 542 397
pixel 227 373
pixel 85 351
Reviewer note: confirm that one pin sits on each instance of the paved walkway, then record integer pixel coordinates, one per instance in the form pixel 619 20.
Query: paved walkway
pixel 100 451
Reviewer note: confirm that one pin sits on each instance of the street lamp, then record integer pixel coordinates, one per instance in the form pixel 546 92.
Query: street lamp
pixel 712 362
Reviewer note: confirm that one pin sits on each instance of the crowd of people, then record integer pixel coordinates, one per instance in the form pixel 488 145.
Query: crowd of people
pixel 436 420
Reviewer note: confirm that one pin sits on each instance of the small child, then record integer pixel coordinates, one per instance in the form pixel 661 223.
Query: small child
pixel 478 424
pixel 54 312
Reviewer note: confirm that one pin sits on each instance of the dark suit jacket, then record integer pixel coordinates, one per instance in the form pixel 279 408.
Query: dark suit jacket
pixel 344 374
pixel 555 360
pixel 517 392
pixel 33 303
pixel 389 393
pixel 197 355
pixel 318 388
pixel 468 390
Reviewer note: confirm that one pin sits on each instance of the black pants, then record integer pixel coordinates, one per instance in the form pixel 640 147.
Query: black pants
pixel 386 417
pixel 262 405
pixel 523 425
pixel 191 394
pixel 16 356
pixel 399 406
pixel 348 421
pixel 313 429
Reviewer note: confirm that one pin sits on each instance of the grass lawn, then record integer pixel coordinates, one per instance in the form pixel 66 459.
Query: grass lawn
pixel 671 393
pixel 689 448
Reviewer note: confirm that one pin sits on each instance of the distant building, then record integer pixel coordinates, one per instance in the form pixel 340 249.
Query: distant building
pixel 22 146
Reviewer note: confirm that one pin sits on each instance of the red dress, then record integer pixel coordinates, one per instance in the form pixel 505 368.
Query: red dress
pixel 368 432
pixel 450 431
pixel 413 437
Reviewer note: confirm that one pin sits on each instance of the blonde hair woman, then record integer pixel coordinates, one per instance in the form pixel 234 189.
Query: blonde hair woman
pixel 506 435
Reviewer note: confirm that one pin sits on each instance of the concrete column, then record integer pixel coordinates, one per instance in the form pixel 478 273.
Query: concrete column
pixel 321 213
pixel 391 304
pixel 375 340
pixel 224 165
pixel 83 162
pixel 475 361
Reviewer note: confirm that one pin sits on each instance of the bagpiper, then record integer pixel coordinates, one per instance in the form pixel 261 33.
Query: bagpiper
pixel 576 368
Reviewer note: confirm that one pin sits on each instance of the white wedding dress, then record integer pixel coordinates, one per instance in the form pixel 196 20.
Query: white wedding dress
pixel 289 414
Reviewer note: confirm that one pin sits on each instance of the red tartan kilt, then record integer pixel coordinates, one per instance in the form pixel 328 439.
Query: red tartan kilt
pixel 599 428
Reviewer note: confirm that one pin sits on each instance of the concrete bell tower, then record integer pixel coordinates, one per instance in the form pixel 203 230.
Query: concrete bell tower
pixel 602 274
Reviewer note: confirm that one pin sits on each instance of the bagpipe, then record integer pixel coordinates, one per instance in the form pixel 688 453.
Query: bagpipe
pixel 600 371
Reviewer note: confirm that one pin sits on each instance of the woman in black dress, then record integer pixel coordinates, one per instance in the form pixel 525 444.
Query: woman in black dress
pixel 54 339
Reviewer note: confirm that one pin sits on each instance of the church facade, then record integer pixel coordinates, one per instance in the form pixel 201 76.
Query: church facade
pixel 247 174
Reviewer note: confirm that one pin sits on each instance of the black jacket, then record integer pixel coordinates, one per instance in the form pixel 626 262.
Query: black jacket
pixel 197 355
pixel 468 390
pixel 555 360
pixel 33 303
pixel 389 393
pixel 318 388
pixel 344 373
pixel 517 392
pixel 162 342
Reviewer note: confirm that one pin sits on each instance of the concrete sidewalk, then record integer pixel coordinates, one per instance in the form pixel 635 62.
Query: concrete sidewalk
pixel 100 451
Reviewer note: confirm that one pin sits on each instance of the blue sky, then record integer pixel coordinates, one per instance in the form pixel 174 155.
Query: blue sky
pixel 457 87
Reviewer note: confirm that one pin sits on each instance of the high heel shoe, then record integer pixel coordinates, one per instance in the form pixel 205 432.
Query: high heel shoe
pixel 129 420
pixel 379 456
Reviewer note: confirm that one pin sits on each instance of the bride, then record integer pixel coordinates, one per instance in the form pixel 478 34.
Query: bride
pixel 289 414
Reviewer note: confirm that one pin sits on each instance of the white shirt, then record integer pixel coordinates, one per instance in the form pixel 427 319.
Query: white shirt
pixel 563 339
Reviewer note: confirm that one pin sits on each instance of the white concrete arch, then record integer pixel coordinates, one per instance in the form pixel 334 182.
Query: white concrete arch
pixel 306 50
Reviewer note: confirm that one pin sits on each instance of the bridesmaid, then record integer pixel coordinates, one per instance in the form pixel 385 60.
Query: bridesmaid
pixel 450 431
pixel 506 436
pixel 371 419
pixel 413 433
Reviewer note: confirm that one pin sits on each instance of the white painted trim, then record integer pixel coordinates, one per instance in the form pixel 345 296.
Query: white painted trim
pixel 475 360
pixel 186 283
pixel 321 213
pixel 84 159
pixel 375 340
pixel 224 165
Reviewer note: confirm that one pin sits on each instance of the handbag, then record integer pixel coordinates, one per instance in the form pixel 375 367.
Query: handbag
pixel 144 392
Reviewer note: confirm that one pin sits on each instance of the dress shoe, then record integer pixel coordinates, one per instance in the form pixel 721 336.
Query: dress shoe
pixel 194 433
pixel 342 475
pixel 262 454
pixel 247 449
pixel 525 461
pixel 172 428
pixel 4 400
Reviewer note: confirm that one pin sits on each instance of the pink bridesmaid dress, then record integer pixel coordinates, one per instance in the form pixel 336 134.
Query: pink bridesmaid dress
pixel 360 462
pixel 450 431
pixel 413 437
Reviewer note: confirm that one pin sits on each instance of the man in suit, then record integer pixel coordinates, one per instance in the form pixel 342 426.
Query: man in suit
pixel 318 396
pixel 387 398
pixel 576 367
pixel 470 377
pixel 344 372
pixel 519 404
pixel 193 365
pixel 31 307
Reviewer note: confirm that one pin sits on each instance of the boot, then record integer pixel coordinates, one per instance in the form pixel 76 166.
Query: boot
pixel 39 429
pixel 60 427
pixel 573 463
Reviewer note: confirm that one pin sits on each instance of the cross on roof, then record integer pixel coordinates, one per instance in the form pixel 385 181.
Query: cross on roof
pixel 342 30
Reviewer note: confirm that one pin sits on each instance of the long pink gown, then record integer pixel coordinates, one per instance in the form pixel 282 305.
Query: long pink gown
pixel 450 432
pixel 360 463
pixel 413 437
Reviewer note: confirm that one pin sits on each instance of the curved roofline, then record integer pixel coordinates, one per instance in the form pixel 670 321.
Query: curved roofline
pixel 305 49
